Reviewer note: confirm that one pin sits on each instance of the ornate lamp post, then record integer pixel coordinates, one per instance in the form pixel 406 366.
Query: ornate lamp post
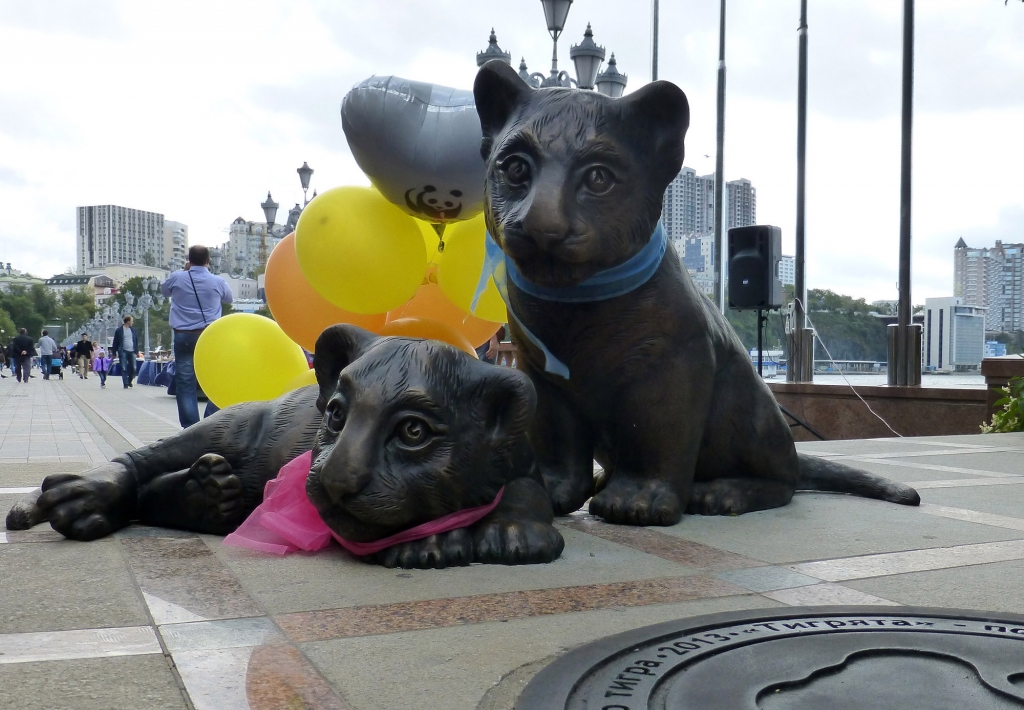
pixel 586 56
pixel 610 82
pixel 305 173
pixel 270 213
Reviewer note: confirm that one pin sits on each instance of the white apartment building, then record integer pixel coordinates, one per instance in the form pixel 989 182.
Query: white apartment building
pixel 787 271
pixel 109 234
pixel 954 334
pixel 992 279
pixel 240 255
pixel 241 288
pixel 740 204
pixel 688 206
pixel 175 245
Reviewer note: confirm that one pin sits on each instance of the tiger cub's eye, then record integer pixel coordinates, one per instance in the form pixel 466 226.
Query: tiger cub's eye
pixel 412 431
pixel 517 171
pixel 598 180
pixel 335 417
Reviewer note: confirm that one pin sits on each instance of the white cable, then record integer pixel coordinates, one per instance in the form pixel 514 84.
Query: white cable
pixel 816 335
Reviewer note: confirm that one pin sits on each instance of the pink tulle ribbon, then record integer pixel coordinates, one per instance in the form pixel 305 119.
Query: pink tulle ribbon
pixel 286 521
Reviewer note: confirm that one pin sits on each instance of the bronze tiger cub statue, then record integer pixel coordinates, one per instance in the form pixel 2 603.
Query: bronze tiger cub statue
pixel 643 374
pixel 402 431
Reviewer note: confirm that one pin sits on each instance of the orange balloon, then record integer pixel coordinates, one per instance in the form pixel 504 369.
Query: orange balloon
pixel 301 312
pixel 428 330
pixel 430 302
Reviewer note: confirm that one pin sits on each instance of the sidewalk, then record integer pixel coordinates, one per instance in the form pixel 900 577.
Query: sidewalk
pixel 160 619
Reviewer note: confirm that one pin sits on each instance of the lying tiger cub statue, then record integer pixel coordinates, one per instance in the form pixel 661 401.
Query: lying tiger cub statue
pixel 402 432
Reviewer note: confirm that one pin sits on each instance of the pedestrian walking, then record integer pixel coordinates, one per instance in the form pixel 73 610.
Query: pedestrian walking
pixel 101 365
pixel 22 348
pixel 196 298
pixel 83 355
pixel 126 348
pixel 47 347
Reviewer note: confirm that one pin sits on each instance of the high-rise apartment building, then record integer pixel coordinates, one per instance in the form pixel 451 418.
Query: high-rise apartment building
pixel 992 279
pixel 688 206
pixel 740 204
pixel 175 245
pixel 108 234
pixel 787 271
pixel 688 213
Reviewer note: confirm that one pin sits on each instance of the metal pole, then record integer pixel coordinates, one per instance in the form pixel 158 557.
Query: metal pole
pixel 720 167
pixel 146 321
pixel 654 41
pixel 905 312
pixel 759 344
pixel 800 282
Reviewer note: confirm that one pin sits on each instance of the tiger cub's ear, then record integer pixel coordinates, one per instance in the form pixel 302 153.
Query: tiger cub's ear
pixel 336 347
pixel 498 92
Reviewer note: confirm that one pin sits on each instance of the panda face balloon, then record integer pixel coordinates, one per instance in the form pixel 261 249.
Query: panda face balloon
pixel 419 144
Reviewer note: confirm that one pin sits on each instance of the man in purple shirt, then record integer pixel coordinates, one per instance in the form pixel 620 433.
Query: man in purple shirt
pixel 196 297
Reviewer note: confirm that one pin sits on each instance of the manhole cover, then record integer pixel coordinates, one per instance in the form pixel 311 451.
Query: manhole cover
pixel 863 658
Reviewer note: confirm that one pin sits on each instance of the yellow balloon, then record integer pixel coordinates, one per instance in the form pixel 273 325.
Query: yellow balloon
pixel 306 378
pixel 244 357
pixel 458 272
pixel 359 251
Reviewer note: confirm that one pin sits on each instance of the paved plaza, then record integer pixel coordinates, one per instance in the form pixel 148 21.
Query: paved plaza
pixel 156 619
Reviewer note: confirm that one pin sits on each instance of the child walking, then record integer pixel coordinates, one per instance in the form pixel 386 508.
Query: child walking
pixel 101 365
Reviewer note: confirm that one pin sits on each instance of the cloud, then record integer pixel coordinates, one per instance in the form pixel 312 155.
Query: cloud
pixel 96 19
pixel 9 176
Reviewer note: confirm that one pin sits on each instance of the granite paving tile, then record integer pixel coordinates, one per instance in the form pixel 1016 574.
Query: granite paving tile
pixel 183 581
pixel 827 595
pixel 911 561
pixel 997 587
pixel 453 611
pixel 224 633
pixel 653 542
pixel 123 683
pixel 1006 500
pixel 816 526
pixel 56 586
pixel 766 579
pixel 79 643
pixel 481 665
pixel 332 578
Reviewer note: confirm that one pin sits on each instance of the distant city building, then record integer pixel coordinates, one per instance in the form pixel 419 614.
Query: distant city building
pixel 101 285
pixel 122 272
pixel 688 206
pixel 991 278
pixel 109 234
pixel 688 215
pixel 240 255
pixel 740 204
pixel 14 277
pixel 241 288
pixel 993 348
pixel 954 334
pixel 175 245
pixel 248 305
pixel 787 271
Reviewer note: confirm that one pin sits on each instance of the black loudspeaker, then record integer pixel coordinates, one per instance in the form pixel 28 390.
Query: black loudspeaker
pixel 754 256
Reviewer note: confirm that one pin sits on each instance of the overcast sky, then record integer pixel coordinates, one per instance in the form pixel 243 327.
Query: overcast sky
pixel 196 109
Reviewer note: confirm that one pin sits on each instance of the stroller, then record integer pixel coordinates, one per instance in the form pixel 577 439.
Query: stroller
pixel 56 366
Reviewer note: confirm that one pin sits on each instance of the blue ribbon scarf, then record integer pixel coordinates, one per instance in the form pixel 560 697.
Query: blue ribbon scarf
pixel 609 283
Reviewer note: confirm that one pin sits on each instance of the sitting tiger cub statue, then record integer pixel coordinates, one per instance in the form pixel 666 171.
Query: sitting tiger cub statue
pixel 633 366
pixel 402 432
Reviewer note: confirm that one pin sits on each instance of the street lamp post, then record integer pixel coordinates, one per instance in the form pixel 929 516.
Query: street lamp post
pixel 150 298
pixel 270 213
pixel 586 56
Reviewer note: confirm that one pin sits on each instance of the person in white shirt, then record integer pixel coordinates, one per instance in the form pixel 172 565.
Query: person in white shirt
pixel 47 347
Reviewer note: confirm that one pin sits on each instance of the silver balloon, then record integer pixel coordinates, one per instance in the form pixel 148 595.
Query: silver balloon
pixel 419 144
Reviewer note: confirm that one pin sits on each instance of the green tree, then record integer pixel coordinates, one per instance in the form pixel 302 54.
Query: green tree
pixel 75 306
